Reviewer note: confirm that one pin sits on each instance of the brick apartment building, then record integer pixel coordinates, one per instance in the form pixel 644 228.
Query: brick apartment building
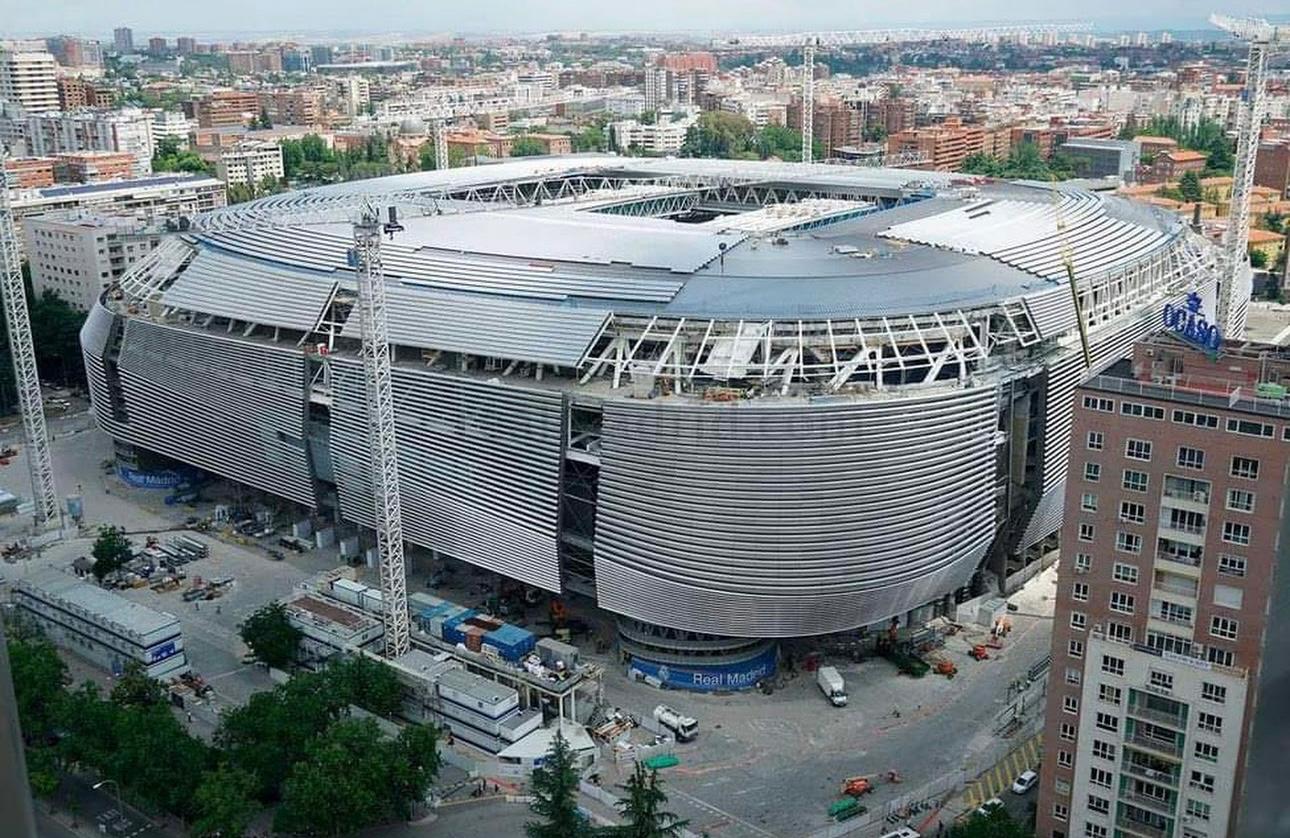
pixel 93 166
pixel 1051 137
pixel 946 144
pixel 224 109
pixel 301 106
pixel 1272 166
pixel 834 125
pixel 30 172
pixel 75 92
pixel 1171 165
pixel 1170 645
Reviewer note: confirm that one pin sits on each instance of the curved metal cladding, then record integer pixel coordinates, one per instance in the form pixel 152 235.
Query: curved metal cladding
pixel 792 520
pixel 479 467
pixel 232 407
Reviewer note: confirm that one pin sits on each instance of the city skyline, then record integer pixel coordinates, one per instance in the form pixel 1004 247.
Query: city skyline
pixel 334 18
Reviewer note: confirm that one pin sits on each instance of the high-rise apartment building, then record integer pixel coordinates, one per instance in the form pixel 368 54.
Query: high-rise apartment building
pixel 1170 648
pixel 123 39
pixel 249 163
pixel 29 79
pixel 185 46
pixel 946 144
pixel 226 109
pixel 157 46
pixel 127 130
pixel 833 126
pixel 74 92
pixel 293 106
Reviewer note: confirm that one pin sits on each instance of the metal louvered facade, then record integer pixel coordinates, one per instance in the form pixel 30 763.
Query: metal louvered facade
pixel 245 289
pixel 801 519
pixel 232 407
pixel 479 467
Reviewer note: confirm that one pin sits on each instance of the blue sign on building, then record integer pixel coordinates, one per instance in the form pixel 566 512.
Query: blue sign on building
pixel 162 652
pixel 735 676
pixel 1189 323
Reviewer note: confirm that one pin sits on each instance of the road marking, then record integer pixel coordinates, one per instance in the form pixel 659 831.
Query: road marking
pixel 719 812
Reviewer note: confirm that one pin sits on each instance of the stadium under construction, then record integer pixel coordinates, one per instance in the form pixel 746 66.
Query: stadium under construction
pixel 735 401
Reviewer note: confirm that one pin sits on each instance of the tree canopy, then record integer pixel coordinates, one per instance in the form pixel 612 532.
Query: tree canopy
pixel 1205 136
pixel 555 796
pixel 1024 162
pixel 997 824
pixel 111 551
pixel 729 135
pixel 169 157
pixel 527 147
pixel 642 809
pixel 55 331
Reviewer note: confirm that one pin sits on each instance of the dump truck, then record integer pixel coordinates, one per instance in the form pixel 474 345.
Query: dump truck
pixel 831 684
pixel 682 726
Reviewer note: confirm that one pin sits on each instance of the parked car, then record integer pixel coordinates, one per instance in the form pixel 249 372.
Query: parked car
pixel 989 806
pixel 1024 782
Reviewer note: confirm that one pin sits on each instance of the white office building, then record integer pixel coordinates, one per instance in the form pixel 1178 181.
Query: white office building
pixel 28 78
pixel 102 627
pixel 663 137
pixel 129 130
pixel 78 254
pixel 249 162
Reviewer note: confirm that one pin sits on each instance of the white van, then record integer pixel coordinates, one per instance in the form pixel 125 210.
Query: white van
pixel 903 832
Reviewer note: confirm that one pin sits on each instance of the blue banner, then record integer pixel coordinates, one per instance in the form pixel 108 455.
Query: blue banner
pixel 699 678
pixel 161 479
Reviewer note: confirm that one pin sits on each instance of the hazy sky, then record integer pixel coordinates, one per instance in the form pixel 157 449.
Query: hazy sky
pixel 223 17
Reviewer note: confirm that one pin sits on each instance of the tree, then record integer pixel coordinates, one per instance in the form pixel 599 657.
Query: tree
pixel 351 777
pixel 555 796
pixel 1189 186
pixel 39 676
pixel 272 638
pixel 719 134
pixel 1258 259
pixel 136 688
pixel 1274 222
pixel 112 550
pixel 527 147
pixel 225 803
pixel 997 824
pixel 169 157
pixel 368 683
pixel 264 121
pixel 643 809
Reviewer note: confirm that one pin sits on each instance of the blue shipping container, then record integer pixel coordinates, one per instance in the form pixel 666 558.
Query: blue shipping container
pixel 512 642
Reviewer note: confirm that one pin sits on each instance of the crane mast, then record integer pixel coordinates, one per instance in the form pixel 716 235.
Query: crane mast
pixel 1263 38
pixel 808 101
pixel 379 386
pixel 26 377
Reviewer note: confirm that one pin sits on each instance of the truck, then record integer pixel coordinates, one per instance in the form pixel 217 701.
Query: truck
pixel 683 727
pixel 831 684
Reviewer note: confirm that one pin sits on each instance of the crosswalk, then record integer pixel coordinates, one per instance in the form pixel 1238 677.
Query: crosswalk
pixel 999 777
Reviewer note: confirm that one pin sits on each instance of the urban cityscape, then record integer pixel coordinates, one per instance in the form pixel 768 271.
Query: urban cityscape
pixel 648 422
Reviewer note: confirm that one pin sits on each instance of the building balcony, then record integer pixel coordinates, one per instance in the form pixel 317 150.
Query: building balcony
pixel 1175 720
pixel 1185 533
pixel 1195 500
pixel 1172 619
pixel 1167 778
pixel 1155 804
pixel 1176 588
pixel 1180 563
pixel 1139 828
pixel 1163 747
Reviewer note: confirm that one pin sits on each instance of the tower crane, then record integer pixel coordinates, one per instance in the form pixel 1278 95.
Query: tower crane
pixel 25 375
pixel 1263 38
pixel 808 42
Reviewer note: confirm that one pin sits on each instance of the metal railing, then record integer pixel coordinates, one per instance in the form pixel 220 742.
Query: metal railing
pixel 1161 746
pixel 1158 716
pixel 1140 828
pixel 1178 559
pixel 1163 807
pixel 1170 778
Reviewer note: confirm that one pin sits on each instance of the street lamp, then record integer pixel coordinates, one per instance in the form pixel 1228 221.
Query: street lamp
pixel 117 787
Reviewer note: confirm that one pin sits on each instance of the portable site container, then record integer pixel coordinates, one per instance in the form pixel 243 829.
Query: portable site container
pixel 511 642
pixel 348 591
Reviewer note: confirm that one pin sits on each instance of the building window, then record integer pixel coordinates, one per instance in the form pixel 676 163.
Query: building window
pixel 1222 657
pixel 1079 592
pixel 1206 751
pixel 1109 694
pixel 1098 805
pixel 1122 632
pixel 1064 759
pixel 1094 830
pixel 1144 411
pixel 1079 620
pixel 1062 787
pixel 1137 449
pixel 1213 692
pixel 1095 440
pixel 1088 502
pixel 1230 565
pixel 1135 481
pixel 1121 602
pixel 1234 533
pixel 1161 680
pixel 1198 810
pixel 1228 596
pixel 1083 561
pixel 1070 704
pixel 1112 665
pixel 1245 467
pixel 1092 472
pixel 1239 500
pixel 1191 457
pixel 1100 777
pixel 1103 750
pixel 1106 721
pixel 1059 812
pixel 1209 723
pixel 1132 513
pixel 1075 648
pixel 1067 732
pixel 1199 420
pixel 1248 428
pixel 1172 612
pixel 1127 542
pixel 1202 781
pixel 1224 627
pixel 1086 531
pixel 1095 403
pixel 1073 676
pixel 1126 573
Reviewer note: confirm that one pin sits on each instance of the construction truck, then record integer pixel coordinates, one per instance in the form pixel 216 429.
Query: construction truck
pixel 683 727
pixel 831 684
